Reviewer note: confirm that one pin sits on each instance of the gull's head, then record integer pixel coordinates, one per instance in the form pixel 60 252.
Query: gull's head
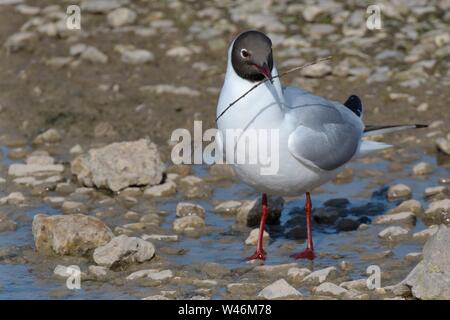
pixel 251 56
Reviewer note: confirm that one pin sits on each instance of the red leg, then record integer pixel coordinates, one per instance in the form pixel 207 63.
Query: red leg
pixel 308 253
pixel 260 253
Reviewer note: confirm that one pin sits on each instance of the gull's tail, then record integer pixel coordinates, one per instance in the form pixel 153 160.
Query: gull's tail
pixel 367 146
pixel 376 130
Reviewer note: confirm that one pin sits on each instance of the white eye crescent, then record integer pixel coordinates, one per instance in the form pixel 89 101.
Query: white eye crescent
pixel 244 54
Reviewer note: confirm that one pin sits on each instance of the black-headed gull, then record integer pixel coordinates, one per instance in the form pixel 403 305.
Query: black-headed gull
pixel 315 137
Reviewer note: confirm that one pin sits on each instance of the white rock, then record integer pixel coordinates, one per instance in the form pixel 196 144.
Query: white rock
pixel 27 10
pixel 151 218
pixel 298 274
pixel 320 276
pixel 166 189
pixel 358 285
pixel 180 52
pixel 443 145
pixel 76 149
pixel 144 32
pixel 318 30
pixel 138 56
pixel 184 209
pixel 49 136
pixel 32 181
pixel 414 256
pixel 279 289
pixel 228 207
pixel 401 217
pixel 411 205
pixel 62 271
pixel 422 168
pixel 156 297
pixel 399 191
pixel 43 159
pixel 425 234
pixel 119 165
pixel 194 187
pixel 316 70
pixel 123 250
pixel 105 130
pixel 188 223
pixel 422 107
pixel 77 49
pixel 10 2
pixel 275 268
pixel 19 41
pixel 13 198
pixel 330 289
pixel 93 55
pixel 430 279
pixel 54 200
pixel 69 207
pixel 438 212
pixel 252 239
pixel 98 271
pixel 160 237
pixel 101 6
pixel 433 191
pixel 170 89
pixel 58 62
pixel 239 288
pixel 49 29
pixel 151 274
pixel 74 234
pixel 121 17
pixel 36 170
pixel 393 233
pixel 311 12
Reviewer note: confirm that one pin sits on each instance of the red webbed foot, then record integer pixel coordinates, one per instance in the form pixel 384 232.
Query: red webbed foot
pixel 306 254
pixel 258 255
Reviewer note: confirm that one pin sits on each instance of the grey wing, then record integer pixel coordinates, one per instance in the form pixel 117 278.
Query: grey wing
pixel 327 133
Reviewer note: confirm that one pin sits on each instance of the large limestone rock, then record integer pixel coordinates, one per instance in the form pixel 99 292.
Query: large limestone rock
pixel 430 279
pixel 75 234
pixel 124 250
pixel 120 165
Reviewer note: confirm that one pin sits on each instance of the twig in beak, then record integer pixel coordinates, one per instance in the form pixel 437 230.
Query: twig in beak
pixel 269 78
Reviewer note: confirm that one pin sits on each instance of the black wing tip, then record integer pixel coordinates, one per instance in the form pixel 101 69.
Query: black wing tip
pixel 354 104
pixel 418 126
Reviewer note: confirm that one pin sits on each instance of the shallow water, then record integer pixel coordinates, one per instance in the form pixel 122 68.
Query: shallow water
pixel 225 244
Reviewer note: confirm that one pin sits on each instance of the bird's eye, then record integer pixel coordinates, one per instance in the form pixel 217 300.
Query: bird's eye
pixel 244 53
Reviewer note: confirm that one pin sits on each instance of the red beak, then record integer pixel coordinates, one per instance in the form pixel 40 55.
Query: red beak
pixel 265 71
